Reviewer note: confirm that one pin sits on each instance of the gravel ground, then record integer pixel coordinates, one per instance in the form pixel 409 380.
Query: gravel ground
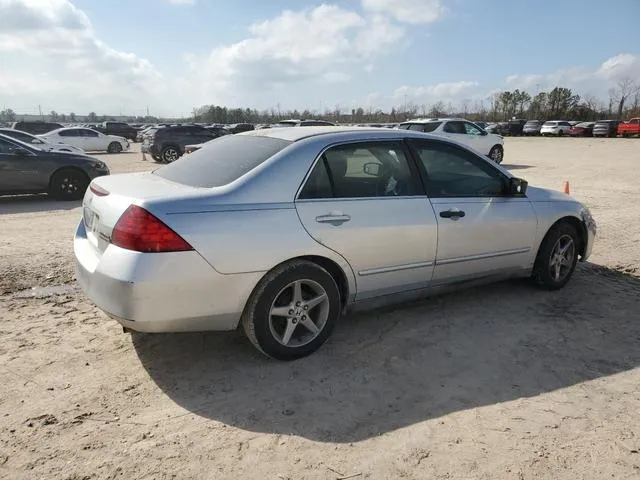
pixel 505 381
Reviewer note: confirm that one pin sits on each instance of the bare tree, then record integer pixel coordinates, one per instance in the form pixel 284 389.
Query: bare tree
pixel 625 88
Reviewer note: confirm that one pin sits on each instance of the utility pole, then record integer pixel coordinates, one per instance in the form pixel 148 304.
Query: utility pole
pixel 40 110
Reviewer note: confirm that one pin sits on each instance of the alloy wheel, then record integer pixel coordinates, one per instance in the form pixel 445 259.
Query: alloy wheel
pixel 561 260
pixel 299 313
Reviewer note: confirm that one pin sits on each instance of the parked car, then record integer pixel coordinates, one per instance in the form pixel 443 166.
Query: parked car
pixel 555 127
pixel 303 123
pixel 462 131
pixel 605 128
pixel 218 131
pixel 630 127
pixel 326 189
pixel 221 133
pixel 87 139
pixel 166 144
pixel 36 127
pixel 119 129
pixel 39 142
pixel 514 127
pixel 241 127
pixel 583 129
pixel 28 169
pixel 532 127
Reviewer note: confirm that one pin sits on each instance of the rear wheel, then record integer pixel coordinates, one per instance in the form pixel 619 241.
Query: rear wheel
pixel 157 158
pixel 114 147
pixel 170 154
pixel 497 153
pixel 68 184
pixel 292 311
pixel 557 257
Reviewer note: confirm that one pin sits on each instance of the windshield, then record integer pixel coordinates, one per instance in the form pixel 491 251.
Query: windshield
pixel 222 161
pixel 26 146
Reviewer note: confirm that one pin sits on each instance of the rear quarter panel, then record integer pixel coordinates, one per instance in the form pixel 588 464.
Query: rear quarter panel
pixel 242 240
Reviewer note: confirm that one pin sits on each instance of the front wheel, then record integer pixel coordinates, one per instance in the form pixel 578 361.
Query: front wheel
pixel 292 311
pixel 114 147
pixel 557 257
pixel 68 184
pixel 497 153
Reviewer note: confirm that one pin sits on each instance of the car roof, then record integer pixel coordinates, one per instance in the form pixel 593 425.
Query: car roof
pixel 429 120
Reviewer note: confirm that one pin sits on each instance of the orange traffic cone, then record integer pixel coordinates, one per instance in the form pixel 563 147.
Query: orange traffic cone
pixel 565 187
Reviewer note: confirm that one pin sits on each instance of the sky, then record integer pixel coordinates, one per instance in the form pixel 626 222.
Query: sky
pixel 171 56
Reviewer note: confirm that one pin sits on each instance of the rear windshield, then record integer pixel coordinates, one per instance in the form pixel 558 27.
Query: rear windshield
pixel 221 161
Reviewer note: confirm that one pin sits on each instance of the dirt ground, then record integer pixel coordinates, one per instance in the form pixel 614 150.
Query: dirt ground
pixel 503 381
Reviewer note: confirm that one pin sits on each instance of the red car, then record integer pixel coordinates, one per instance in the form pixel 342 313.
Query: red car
pixel 630 127
pixel 584 129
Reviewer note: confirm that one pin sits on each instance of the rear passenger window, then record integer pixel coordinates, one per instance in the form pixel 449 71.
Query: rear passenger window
pixel 362 170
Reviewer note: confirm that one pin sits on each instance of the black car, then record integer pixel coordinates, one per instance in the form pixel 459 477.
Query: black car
pixel 36 127
pixel 27 169
pixel 119 129
pixel 514 127
pixel 166 144
pixel 241 127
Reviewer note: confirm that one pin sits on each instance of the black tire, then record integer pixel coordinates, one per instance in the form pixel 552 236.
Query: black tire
pixel 170 154
pixel 68 184
pixel 257 319
pixel 560 132
pixel 497 153
pixel 546 258
pixel 114 147
pixel 156 158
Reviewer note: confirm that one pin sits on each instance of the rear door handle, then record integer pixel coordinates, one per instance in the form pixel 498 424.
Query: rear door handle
pixel 333 218
pixel 453 214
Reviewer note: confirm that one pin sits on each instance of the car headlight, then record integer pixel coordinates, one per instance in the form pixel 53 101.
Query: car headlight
pixel 99 165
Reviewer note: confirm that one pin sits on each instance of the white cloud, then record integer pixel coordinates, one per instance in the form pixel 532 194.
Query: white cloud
pixel 591 81
pixel 296 47
pixel 438 92
pixel 407 11
pixel 56 37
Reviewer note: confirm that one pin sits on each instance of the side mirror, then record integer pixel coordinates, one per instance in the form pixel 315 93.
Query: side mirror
pixel 371 168
pixel 517 186
pixel 483 133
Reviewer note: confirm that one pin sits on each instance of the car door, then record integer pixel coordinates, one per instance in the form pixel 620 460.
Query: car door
pixel 20 169
pixel 481 229
pixel 95 141
pixel 365 202
pixel 72 136
pixel 455 130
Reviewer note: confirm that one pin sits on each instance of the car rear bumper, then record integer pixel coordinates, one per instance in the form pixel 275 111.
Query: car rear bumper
pixel 160 292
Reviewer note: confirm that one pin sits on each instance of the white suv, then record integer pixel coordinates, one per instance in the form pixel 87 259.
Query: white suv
pixel 463 131
pixel 555 127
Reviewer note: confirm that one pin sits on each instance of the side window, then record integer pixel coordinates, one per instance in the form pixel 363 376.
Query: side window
pixel 70 133
pixel 455 172
pixel 404 126
pixel 362 170
pixel 89 133
pixel 471 129
pixel 416 127
pixel 7 148
pixel 454 127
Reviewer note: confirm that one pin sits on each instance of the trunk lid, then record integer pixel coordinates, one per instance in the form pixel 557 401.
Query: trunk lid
pixel 108 197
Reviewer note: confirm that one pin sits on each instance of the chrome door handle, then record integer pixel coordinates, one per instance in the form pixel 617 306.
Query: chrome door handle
pixel 333 218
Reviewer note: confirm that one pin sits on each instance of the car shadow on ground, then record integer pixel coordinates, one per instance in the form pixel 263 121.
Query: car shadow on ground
pixel 515 167
pixel 34 203
pixel 127 152
pixel 389 369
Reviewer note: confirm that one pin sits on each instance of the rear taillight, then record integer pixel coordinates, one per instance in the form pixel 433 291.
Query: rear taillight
pixel 101 192
pixel 139 230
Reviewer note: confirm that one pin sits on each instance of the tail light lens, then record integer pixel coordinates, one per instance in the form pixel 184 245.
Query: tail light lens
pixel 140 231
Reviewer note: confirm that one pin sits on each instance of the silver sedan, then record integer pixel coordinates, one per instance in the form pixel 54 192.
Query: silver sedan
pixel 283 230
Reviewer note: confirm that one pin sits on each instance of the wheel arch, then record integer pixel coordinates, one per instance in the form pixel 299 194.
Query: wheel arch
pixel 575 222
pixel 67 167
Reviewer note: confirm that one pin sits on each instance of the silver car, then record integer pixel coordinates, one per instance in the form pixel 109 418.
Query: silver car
pixel 285 229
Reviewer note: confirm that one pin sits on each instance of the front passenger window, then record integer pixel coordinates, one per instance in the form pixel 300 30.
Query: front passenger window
pixel 455 172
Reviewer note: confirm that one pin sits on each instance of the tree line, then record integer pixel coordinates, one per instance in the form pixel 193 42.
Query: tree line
pixel 559 103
